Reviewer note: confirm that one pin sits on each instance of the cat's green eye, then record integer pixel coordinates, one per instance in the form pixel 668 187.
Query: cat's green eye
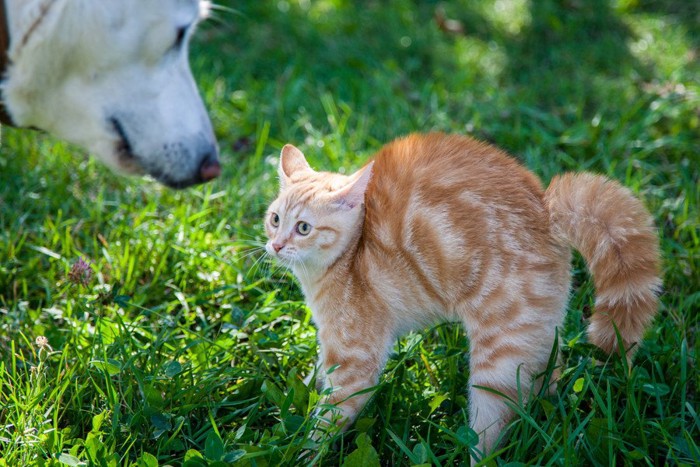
pixel 274 219
pixel 303 228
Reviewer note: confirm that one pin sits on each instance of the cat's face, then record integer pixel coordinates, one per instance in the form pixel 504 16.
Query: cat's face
pixel 316 214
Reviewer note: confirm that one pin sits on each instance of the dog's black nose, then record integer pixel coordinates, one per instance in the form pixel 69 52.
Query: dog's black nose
pixel 210 168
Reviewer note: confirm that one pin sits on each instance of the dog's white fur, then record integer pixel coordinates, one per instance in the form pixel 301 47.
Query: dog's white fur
pixel 112 76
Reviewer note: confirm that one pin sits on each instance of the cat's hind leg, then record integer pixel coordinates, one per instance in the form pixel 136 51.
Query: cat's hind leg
pixel 489 409
pixel 508 350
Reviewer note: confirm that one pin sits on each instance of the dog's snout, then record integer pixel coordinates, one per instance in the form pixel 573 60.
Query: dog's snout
pixel 209 168
pixel 205 167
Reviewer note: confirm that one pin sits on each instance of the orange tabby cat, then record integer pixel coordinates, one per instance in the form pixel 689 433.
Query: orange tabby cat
pixel 441 227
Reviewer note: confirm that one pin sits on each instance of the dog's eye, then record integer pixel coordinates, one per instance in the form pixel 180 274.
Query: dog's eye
pixel 180 37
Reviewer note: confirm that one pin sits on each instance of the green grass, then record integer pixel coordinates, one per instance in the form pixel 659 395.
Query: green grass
pixel 185 347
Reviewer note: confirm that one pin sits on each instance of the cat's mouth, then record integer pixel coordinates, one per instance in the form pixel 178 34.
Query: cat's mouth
pixel 278 252
pixel 286 257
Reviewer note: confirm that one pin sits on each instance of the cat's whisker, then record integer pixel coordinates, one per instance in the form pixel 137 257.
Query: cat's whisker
pixel 273 265
pixel 256 259
pixel 305 271
pixel 245 246
pixel 252 252
pixel 256 266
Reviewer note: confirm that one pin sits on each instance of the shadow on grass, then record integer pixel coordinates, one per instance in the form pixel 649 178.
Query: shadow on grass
pixel 564 54
pixel 571 51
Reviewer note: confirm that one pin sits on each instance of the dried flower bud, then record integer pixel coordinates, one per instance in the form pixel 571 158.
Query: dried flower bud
pixel 80 273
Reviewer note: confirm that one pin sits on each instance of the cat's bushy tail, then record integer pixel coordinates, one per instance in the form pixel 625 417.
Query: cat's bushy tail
pixel 616 236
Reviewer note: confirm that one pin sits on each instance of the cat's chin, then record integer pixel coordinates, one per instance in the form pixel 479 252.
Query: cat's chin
pixel 288 259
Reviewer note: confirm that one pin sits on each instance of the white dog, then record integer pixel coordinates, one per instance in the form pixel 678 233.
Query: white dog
pixel 112 76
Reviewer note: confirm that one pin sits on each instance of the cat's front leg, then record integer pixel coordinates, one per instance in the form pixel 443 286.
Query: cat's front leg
pixel 350 371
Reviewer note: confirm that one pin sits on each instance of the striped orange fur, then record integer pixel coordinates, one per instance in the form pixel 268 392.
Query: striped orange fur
pixel 439 227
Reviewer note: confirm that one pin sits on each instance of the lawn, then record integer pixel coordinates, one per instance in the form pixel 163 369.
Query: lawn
pixel 184 345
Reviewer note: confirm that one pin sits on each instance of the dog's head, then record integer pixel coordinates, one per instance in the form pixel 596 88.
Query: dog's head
pixel 113 76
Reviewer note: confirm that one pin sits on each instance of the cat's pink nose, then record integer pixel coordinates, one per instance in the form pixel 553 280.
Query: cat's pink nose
pixel 277 247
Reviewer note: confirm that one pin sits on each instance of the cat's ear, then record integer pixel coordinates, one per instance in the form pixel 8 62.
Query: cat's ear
pixel 292 160
pixel 354 193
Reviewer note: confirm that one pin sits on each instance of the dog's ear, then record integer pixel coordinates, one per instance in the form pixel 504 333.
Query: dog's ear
pixel 292 161
pixel 204 9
